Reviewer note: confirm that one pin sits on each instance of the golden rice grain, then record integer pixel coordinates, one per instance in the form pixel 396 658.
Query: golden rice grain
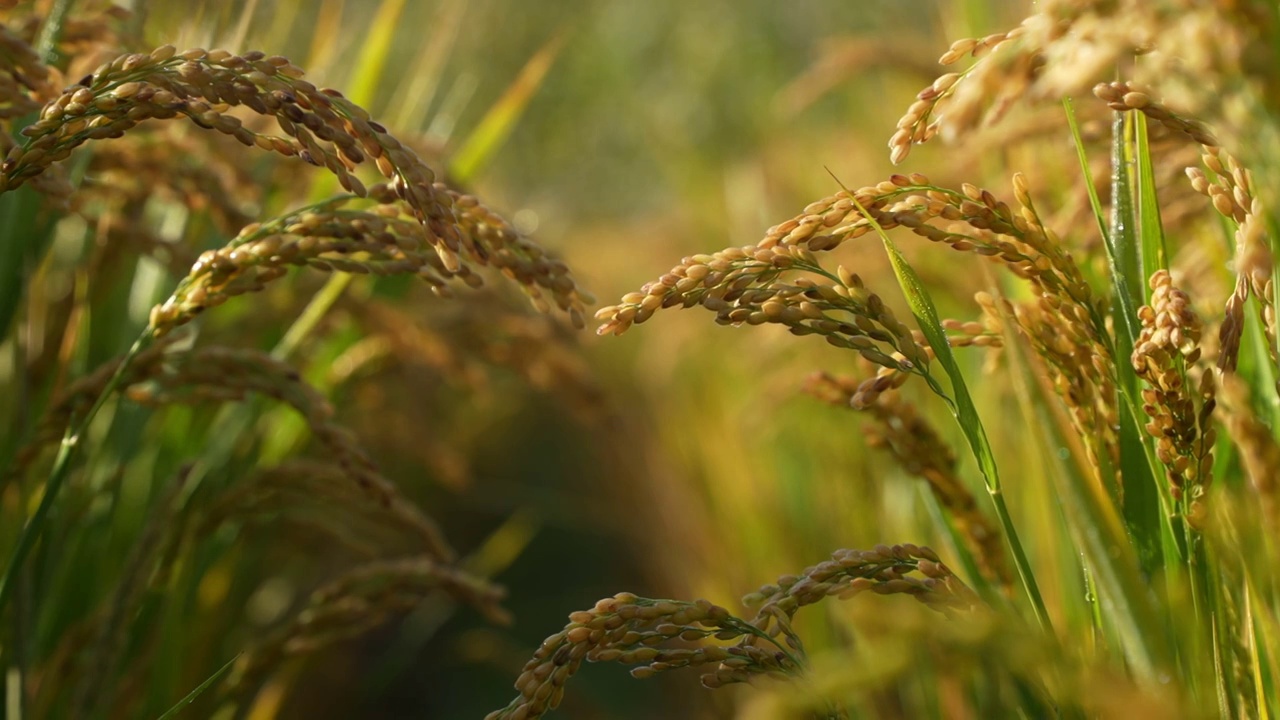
pixel 640 631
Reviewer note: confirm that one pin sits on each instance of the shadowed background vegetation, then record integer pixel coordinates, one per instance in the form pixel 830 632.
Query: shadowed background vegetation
pixel 209 536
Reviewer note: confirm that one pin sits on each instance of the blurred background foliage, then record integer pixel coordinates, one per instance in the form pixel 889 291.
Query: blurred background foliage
pixel 679 462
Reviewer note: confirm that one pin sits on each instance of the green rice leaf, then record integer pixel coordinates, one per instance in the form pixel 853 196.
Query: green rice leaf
pixel 376 48
pixel 1155 253
pixel 1121 597
pixel 199 690
pixel 962 408
pixel 479 147
pixel 1143 501
pixel 1094 201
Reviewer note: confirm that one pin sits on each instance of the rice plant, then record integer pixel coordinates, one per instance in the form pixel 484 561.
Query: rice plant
pixel 1166 510
pixel 126 161
pixel 297 423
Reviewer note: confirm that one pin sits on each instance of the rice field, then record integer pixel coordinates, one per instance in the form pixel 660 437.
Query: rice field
pixel 386 359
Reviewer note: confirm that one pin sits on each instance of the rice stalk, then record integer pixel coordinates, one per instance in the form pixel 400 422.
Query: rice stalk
pixel 321 127
pixel 104 651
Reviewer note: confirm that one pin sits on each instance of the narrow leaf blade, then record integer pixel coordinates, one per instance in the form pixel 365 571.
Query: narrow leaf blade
pixel 199 690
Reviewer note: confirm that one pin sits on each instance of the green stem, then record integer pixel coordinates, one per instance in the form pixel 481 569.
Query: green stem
pixel 1020 560
pixel 61 471
pixel 311 316
pixel 52 29
pixel 1206 606
pixel 199 690
pixel 749 629
pixel 962 407
pixel 28 251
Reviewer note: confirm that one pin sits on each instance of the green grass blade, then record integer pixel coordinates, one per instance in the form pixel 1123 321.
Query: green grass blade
pixel 1094 201
pixel 1273 398
pixel 963 409
pixel 1153 256
pixel 1094 524
pixel 1256 365
pixel 24 238
pixel 1155 253
pixel 479 147
pixel 955 541
pixel 376 49
pixel 47 43
pixel 24 234
pixel 199 690
pixel 1144 507
pixel 418 96
pixel 966 413
pixel 1263 665
pixel 1122 240
pixel 62 464
pixel 311 316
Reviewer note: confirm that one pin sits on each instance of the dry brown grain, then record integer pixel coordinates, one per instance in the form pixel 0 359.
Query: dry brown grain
pixel 1180 419
pixel 745 286
pixel 749 286
pixel 1122 96
pixel 908 436
pixel 319 126
pixel 1231 191
pixel 959 96
pixel 634 630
